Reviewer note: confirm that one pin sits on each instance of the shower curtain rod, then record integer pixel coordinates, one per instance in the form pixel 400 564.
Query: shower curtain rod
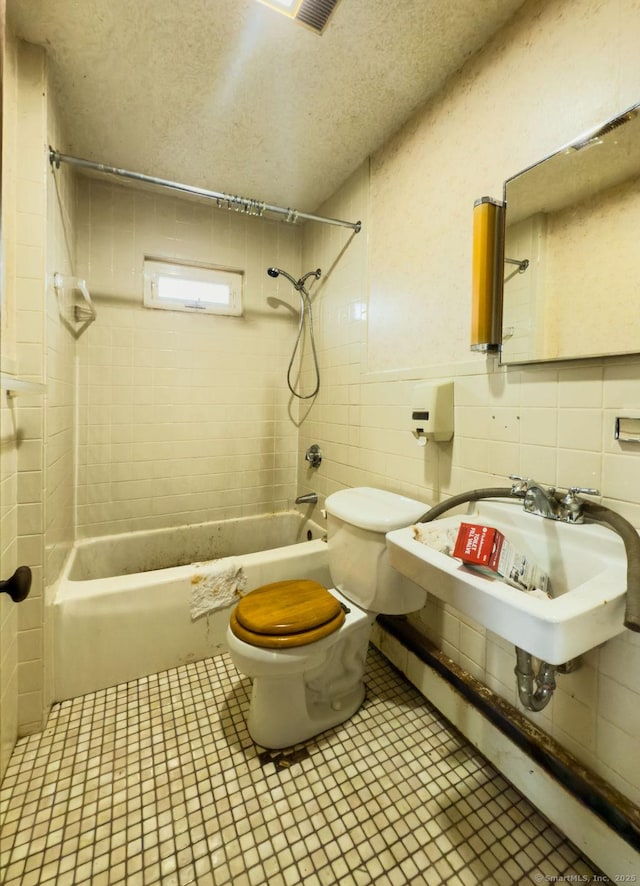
pixel 224 201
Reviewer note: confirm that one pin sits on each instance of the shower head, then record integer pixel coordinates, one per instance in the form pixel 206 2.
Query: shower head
pixel 297 284
pixel 275 272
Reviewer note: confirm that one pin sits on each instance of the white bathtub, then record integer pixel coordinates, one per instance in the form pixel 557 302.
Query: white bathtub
pixel 122 606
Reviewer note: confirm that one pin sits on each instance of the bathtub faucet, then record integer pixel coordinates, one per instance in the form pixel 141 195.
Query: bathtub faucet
pixel 310 498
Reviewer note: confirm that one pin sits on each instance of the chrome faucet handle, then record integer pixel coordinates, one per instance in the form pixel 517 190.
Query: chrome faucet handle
pixel 572 505
pixel 581 490
pixel 313 455
pixel 523 484
pixel 520 484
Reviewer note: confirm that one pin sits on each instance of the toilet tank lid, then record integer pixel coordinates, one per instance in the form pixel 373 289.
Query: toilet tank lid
pixel 374 509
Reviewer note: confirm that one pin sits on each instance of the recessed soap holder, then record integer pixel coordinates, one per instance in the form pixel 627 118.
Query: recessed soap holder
pixel 628 428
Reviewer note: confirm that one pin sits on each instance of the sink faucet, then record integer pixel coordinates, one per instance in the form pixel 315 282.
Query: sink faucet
pixel 545 501
pixel 541 500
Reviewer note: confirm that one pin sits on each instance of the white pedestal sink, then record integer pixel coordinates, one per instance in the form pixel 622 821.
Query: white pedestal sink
pixel 586 564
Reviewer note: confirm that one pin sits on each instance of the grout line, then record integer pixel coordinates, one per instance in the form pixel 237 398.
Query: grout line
pixel 161 784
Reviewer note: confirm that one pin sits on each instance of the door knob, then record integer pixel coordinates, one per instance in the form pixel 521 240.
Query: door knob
pixel 19 585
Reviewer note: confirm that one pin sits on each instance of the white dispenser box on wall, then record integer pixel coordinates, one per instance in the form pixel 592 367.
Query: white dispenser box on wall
pixel 432 412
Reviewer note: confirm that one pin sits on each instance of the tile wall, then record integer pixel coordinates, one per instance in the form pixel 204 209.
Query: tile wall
pixel 8 449
pixel 30 257
pixel 182 418
pixel 24 235
pixel 37 449
pixel 61 330
pixel 8 610
pixel 9 186
pixel 558 69
pixel 59 427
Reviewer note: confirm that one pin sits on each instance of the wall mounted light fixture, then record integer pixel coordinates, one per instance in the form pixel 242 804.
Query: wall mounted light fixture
pixel 487 275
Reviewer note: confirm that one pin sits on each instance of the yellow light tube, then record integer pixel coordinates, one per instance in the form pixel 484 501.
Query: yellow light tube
pixel 487 275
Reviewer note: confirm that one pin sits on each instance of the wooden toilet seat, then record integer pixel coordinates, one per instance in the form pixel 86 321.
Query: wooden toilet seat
pixel 286 613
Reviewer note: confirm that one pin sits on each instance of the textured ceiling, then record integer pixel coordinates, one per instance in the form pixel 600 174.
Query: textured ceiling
pixel 228 95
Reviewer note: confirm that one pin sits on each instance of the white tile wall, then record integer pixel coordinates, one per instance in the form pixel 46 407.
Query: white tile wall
pixel 59 415
pixel 8 449
pixel 30 269
pixel 24 236
pixel 38 244
pixel 555 422
pixel 8 564
pixel 183 418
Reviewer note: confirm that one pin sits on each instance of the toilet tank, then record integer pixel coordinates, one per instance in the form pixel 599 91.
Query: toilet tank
pixel 357 521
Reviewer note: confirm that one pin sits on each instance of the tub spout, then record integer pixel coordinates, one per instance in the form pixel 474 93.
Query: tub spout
pixel 310 498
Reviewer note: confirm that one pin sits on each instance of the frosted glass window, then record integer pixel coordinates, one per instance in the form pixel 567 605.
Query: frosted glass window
pixel 183 287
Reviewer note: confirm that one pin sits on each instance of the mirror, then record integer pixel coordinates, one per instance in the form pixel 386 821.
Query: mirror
pixel 571 226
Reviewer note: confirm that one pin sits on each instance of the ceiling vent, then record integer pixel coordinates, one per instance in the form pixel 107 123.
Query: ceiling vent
pixel 315 14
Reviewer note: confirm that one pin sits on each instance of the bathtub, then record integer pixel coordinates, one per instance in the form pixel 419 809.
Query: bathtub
pixel 121 609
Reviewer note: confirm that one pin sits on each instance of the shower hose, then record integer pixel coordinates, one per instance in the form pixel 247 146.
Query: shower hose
pixel 306 318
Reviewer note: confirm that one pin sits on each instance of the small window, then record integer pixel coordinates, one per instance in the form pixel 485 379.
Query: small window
pixel 183 287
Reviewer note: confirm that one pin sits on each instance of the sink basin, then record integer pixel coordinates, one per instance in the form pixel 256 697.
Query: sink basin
pixel 586 565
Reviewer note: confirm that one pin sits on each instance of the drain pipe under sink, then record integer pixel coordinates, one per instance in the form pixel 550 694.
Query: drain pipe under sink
pixel 534 700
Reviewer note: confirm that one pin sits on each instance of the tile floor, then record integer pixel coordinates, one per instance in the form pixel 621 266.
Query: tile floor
pixel 157 782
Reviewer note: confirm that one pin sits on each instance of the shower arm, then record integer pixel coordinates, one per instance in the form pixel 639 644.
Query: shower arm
pixel 317 274
pixel 245 205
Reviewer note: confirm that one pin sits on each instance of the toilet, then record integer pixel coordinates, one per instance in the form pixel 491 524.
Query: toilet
pixel 303 645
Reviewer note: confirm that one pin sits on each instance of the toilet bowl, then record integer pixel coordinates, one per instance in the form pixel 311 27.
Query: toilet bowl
pixel 305 646
pixel 300 691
